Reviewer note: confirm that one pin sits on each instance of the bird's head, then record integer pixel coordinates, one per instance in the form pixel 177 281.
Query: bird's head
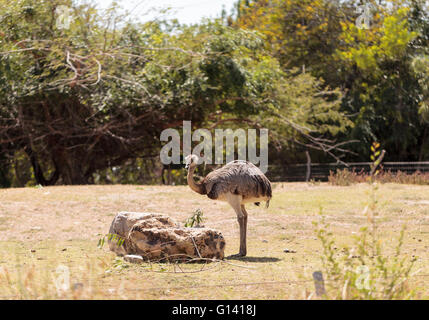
pixel 191 161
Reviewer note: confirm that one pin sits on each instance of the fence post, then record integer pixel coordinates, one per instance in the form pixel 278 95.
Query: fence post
pixel 319 284
pixel 307 177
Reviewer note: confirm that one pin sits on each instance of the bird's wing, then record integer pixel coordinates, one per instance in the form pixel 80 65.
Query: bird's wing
pixel 238 177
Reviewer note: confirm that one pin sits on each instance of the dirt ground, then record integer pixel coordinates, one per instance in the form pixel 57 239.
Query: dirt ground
pixel 45 229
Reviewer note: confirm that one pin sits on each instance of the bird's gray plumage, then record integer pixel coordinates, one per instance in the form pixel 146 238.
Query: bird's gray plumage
pixel 237 177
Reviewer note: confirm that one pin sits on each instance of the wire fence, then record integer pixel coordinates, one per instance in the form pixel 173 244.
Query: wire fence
pixel 321 171
pixel 317 283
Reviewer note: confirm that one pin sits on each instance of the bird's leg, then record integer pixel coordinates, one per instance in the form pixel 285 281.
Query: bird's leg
pixel 243 232
pixel 242 251
pixel 235 202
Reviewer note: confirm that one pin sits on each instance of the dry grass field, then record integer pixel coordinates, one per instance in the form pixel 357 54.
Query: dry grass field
pixel 44 228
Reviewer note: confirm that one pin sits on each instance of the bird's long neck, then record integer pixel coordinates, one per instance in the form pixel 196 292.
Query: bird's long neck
pixel 197 187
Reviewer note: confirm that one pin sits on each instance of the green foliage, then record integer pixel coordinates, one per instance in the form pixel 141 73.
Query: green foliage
pixel 383 90
pixel 305 101
pixel 372 67
pixel 299 33
pixel 387 38
pixel 365 271
pixel 111 237
pixel 84 102
pixel 421 68
pixel 106 94
pixel 195 219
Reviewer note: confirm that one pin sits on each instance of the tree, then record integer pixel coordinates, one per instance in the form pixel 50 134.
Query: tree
pixel 301 34
pixel 383 90
pixel 421 67
pixel 97 94
pixel 371 66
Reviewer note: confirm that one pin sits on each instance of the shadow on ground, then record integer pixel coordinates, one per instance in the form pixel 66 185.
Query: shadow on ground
pixel 253 259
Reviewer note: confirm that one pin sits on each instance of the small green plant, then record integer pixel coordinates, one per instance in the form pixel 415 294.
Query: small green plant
pixel 111 237
pixel 376 159
pixel 365 270
pixel 195 219
pixel 118 265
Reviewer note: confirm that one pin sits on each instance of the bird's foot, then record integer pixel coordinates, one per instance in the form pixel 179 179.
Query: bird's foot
pixel 237 255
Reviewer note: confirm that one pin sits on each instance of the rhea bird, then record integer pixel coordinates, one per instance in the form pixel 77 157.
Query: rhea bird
pixel 238 182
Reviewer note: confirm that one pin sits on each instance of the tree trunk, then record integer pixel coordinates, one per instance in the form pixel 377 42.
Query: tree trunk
pixel 423 144
pixel 38 172
pixel 71 169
